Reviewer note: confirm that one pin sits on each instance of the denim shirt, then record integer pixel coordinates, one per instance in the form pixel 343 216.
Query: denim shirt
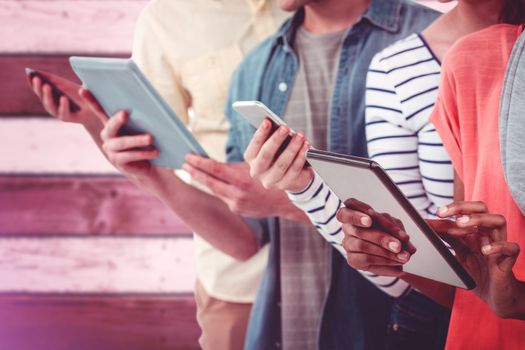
pixel 356 313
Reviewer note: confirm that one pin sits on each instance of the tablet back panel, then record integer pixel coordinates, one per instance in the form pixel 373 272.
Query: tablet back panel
pixel 119 84
pixel 364 182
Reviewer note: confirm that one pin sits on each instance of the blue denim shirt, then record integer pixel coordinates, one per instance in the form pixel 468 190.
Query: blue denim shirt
pixel 356 313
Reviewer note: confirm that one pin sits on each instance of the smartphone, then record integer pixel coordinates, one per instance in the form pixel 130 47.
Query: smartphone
pixel 256 112
pixel 55 81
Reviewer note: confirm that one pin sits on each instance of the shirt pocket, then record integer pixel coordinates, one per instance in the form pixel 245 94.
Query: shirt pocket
pixel 206 78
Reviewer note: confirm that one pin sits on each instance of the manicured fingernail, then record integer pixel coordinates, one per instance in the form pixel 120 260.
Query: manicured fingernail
pixel 486 249
pixel 403 256
pixel 394 246
pixel 366 221
pixel 283 130
pixel 463 219
pixel 443 210
pixel 300 135
pixel 266 124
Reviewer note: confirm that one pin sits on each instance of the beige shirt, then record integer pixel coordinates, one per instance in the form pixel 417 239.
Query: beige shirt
pixel 189 49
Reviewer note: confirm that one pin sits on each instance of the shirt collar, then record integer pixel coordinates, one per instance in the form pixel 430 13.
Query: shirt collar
pixel 385 14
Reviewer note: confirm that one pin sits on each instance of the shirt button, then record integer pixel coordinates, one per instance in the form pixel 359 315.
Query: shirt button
pixel 283 87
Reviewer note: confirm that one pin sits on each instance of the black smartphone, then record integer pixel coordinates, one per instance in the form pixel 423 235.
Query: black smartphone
pixel 55 91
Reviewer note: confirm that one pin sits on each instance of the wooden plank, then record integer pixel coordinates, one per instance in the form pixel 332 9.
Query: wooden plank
pixel 17 97
pixel 49 146
pixel 65 322
pixel 97 265
pixel 82 26
pixel 55 205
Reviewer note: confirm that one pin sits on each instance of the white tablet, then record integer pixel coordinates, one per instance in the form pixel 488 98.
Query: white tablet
pixel 119 84
pixel 363 179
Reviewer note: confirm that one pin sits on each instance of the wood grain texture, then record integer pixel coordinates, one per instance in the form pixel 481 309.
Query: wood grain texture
pixel 17 97
pixel 97 265
pixel 68 322
pixel 72 205
pixel 81 26
pixel 49 146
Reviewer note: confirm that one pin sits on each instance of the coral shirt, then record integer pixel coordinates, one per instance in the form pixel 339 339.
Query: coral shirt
pixel 466 117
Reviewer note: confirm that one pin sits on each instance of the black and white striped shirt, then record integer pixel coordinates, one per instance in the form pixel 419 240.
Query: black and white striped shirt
pixel 402 87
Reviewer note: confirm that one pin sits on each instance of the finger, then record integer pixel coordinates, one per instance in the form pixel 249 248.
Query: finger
pixel 283 162
pixel 220 188
pixel 219 170
pixel 374 236
pixel 267 153
pixel 496 224
pixel 37 87
pixel 462 207
pixel 113 125
pixel 357 205
pixel 391 225
pixel 507 252
pixel 363 262
pixel 356 245
pixel 124 158
pixel 445 227
pixel 63 108
pixel 259 138
pixel 122 143
pixel 356 218
pixel 93 104
pixel 297 171
pixel 48 101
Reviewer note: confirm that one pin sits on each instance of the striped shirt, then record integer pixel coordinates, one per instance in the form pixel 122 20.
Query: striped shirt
pixel 402 87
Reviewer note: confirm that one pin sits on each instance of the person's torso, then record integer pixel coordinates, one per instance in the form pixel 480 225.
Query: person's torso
pixel 479 77
pixel 266 75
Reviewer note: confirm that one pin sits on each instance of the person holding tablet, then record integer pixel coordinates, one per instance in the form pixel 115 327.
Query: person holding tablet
pixel 190 68
pixel 466 116
pixel 401 90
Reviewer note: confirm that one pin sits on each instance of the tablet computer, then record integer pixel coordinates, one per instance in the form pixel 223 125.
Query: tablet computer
pixel 365 180
pixel 118 84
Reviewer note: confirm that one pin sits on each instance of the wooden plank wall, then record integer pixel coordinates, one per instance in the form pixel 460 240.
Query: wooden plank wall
pixel 87 261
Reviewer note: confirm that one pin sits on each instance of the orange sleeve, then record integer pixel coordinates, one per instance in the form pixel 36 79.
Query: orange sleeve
pixel 445 118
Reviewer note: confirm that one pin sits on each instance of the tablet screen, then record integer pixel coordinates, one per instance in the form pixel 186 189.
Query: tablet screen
pixel 362 179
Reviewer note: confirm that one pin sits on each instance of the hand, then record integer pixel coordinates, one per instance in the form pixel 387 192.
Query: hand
pixel 131 155
pixel 374 242
pixel 480 241
pixel 245 196
pixel 61 110
pixel 285 171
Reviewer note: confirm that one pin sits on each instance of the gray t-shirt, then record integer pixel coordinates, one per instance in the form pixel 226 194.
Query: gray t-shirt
pixel 305 256
pixel 512 123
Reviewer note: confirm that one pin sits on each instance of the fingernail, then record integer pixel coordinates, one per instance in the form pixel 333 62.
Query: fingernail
pixel 443 210
pixel 463 219
pixel 403 256
pixel 300 135
pixel 486 249
pixel 366 221
pixel 283 130
pixel 394 246
pixel 266 124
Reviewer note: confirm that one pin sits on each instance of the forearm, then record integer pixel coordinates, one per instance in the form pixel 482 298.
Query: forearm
pixel 94 126
pixel 206 215
pixel 320 206
pixel 439 292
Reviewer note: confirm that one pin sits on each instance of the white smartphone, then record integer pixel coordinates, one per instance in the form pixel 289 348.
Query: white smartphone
pixel 255 112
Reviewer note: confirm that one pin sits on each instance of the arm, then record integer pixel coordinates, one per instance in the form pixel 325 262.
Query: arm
pixel 199 210
pixel 288 172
